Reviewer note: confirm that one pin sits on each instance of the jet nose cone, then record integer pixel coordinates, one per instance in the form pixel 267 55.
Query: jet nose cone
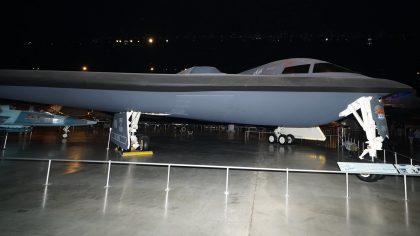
pixel 71 121
pixel 91 122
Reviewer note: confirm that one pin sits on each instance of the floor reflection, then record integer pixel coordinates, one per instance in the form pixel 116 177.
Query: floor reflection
pixel 105 201
pixel 165 213
pixel 44 197
pixel 407 218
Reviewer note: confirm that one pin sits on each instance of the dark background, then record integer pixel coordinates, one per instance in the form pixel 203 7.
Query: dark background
pixel 376 38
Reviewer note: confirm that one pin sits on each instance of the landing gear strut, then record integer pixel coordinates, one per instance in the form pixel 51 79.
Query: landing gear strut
pixel 66 131
pixel 368 124
pixel 372 120
pixel 124 132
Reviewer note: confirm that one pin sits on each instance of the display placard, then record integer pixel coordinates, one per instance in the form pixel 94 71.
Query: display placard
pixel 408 169
pixel 367 168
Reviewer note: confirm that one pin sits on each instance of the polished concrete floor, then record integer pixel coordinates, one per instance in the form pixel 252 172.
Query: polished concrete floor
pixel 76 202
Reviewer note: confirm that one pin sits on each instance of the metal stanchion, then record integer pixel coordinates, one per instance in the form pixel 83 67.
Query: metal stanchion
pixel 347 185
pixel 405 187
pixel 395 155
pixel 411 161
pixel 109 171
pixel 109 138
pixel 5 141
pixel 48 173
pixel 287 182
pixel 338 137
pixel 167 181
pixel 227 181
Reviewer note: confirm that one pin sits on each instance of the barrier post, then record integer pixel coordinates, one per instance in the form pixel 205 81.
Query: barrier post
pixel 5 141
pixel 338 137
pixel 287 182
pixel 167 181
pixel 109 171
pixel 411 161
pixel 109 138
pixel 48 173
pixel 227 181
pixel 395 155
pixel 405 188
pixel 347 185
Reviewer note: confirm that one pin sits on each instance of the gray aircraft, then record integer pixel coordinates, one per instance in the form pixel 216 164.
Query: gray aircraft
pixel 297 94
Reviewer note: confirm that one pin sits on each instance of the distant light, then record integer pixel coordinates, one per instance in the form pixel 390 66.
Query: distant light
pixel 326 39
pixel 138 41
pixel 117 41
pixel 150 40
pixel 131 41
pixel 167 40
pixel 152 68
pixel 84 68
pixel 418 72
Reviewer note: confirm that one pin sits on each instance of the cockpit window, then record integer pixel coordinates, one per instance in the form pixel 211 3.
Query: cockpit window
pixel 296 69
pixel 327 67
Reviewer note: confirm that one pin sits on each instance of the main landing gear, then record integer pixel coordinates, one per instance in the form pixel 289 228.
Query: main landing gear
pixel 371 111
pixel 66 131
pixel 138 142
pixel 283 139
pixel 124 132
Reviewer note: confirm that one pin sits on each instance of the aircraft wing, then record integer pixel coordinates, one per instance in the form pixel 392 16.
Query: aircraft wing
pixel 230 98
pixel 193 82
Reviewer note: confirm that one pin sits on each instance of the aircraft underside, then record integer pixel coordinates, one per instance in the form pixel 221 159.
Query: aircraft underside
pixel 294 109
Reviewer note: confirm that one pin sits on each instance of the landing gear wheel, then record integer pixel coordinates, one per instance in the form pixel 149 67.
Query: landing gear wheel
pixel 369 177
pixel 65 135
pixel 271 138
pixel 282 139
pixel 290 139
pixel 144 142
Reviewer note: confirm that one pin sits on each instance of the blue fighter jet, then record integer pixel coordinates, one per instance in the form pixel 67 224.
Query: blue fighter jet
pixel 22 121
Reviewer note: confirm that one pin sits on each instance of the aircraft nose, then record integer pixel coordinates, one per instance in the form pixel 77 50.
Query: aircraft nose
pixel 90 122
pixel 71 121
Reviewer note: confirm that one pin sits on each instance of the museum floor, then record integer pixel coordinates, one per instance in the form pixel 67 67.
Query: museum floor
pixel 76 202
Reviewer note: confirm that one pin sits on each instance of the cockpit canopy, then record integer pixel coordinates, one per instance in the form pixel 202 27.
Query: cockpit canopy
pixel 298 66
pixel 201 70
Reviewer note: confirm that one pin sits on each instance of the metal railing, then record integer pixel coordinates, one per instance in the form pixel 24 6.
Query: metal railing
pixel 227 168
pixel 361 146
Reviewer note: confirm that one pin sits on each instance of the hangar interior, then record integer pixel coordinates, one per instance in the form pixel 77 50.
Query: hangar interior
pixel 77 201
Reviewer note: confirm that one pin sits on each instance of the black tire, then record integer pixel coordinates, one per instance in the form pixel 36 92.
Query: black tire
pixel 272 138
pixel 369 177
pixel 290 139
pixel 144 143
pixel 282 139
